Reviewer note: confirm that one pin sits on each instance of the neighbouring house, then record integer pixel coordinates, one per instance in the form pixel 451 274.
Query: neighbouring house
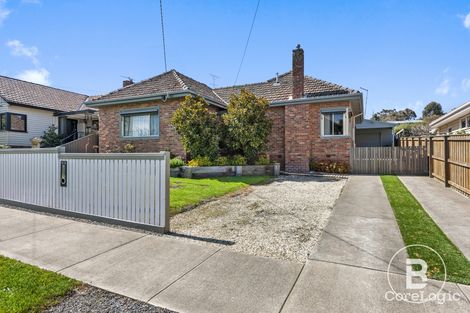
pixel 312 118
pixel 28 109
pixel 455 122
pixel 371 133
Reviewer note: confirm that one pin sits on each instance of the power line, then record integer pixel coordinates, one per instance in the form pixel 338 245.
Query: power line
pixel 163 35
pixel 247 41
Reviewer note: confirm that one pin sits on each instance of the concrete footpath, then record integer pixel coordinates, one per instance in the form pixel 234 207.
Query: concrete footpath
pixel 347 273
pixel 449 209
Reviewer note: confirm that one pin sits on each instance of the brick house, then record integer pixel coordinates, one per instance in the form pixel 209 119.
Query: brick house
pixel 312 118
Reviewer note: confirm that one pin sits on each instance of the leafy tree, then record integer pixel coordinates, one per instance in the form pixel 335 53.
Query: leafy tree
pixel 51 138
pixel 198 128
pixel 433 108
pixel 394 115
pixel 247 126
pixel 413 129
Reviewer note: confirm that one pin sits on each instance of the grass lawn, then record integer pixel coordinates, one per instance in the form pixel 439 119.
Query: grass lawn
pixel 27 288
pixel 185 192
pixel 417 227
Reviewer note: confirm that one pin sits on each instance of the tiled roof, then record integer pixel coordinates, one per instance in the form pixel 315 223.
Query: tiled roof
pixel 17 91
pixel 171 81
pixel 283 90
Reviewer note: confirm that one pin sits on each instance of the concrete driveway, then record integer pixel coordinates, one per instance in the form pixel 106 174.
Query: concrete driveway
pixel 449 209
pixel 348 272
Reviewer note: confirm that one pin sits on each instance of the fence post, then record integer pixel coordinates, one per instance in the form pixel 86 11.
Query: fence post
pixel 430 152
pixel 167 191
pixel 446 161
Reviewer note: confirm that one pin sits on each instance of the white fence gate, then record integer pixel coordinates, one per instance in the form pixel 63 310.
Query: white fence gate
pixel 129 189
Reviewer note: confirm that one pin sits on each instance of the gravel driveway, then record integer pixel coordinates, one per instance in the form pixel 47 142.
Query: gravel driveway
pixel 283 219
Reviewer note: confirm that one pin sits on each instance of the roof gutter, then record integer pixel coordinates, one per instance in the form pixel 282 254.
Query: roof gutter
pixel 347 97
pixel 322 99
pixel 151 97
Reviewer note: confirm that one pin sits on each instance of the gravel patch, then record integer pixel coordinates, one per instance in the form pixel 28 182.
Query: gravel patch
pixel 283 219
pixel 95 300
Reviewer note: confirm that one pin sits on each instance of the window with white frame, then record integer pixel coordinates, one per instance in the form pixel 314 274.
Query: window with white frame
pixel 140 123
pixel 334 123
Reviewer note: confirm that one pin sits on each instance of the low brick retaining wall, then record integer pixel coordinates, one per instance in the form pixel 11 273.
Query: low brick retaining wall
pixel 217 171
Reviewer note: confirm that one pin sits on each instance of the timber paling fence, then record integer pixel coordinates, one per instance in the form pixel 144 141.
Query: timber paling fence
pixel 128 189
pixel 389 160
pixel 449 158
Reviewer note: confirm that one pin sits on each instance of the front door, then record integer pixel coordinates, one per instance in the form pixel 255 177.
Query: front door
pixel 71 127
pixel 68 129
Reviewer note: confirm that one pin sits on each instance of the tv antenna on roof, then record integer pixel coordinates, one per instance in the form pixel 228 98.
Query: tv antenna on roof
pixel 214 78
pixel 127 77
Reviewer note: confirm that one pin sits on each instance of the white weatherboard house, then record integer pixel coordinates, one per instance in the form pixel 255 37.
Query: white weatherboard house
pixel 456 121
pixel 28 109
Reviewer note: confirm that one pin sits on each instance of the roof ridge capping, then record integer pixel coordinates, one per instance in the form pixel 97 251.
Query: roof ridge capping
pixel 183 85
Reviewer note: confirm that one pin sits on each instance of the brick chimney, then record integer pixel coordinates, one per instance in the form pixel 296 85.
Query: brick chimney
pixel 127 82
pixel 298 72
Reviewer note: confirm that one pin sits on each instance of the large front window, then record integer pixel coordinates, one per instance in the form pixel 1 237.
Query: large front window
pixel 13 122
pixel 334 123
pixel 140 124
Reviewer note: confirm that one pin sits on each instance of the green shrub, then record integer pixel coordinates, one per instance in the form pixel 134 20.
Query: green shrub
pixel 50 138
pixel 263 160
pixel 222 161
pixel 201 161
pixel 198 128
pixel 238 160
pixel 329 166
pixel 4 147
pixel 176 162
pixel 129 148
pixel 246 125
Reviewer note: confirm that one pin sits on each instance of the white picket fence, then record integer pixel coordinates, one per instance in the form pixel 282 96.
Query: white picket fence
pixel 116 187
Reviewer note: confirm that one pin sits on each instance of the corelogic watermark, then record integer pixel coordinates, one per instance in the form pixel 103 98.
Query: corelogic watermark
pixel 416 288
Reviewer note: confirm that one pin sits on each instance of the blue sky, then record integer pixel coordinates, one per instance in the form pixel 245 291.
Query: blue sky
pixel 406 53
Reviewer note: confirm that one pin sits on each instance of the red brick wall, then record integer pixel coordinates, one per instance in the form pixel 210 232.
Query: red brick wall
pixel 276 143
pixel 328 148
pixel 111 141
pixel 298 137
pixel 294 140
pixel 297 134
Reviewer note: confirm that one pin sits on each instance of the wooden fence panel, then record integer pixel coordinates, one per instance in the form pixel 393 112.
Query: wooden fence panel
pixel 449 159
pixel 83 145
pixel 131 188
pixel 389 160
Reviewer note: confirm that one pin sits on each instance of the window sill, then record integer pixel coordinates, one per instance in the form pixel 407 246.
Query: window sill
pixel 140 138
pixel 335 136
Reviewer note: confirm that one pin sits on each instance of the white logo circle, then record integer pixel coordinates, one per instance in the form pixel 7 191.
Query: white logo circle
pixel 420 297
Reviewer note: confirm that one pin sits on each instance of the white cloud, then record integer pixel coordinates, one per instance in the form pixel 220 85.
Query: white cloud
pixel 17 48
pixel 4 12
pixel 38 76
pixel 443 88
pixel 466 21
pixel 466 84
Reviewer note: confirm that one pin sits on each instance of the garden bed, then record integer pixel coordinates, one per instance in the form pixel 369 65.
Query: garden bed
pixel 220 171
